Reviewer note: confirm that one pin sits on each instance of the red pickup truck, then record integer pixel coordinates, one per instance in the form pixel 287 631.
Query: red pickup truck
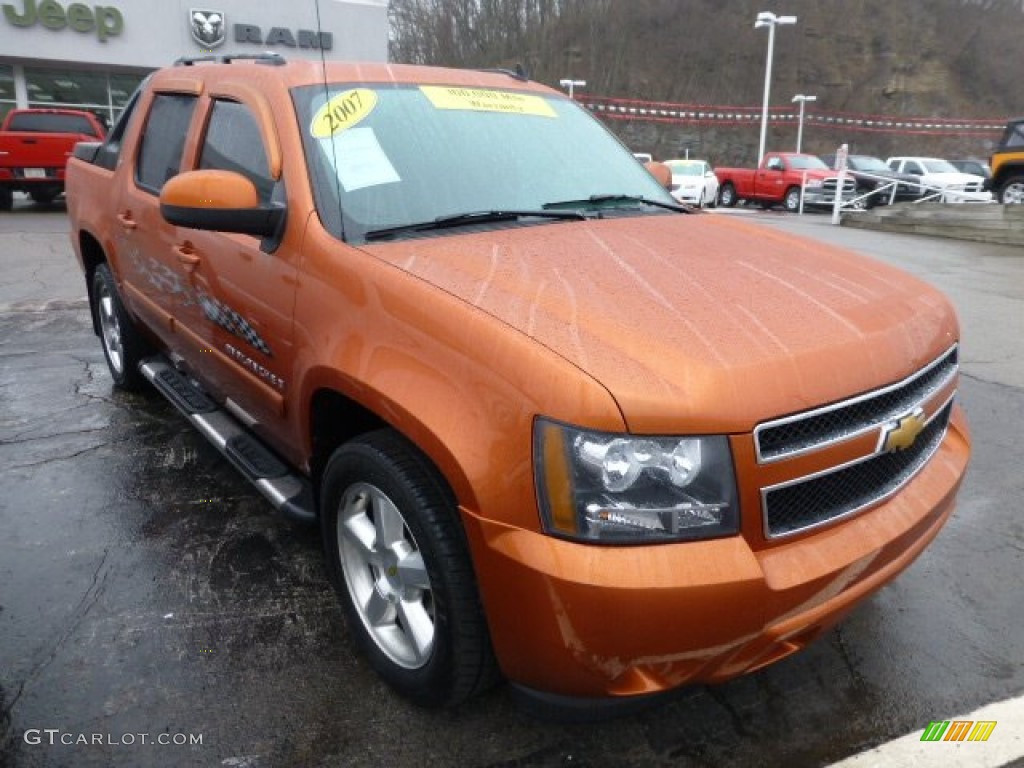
pixel 780 179
pixel 35 145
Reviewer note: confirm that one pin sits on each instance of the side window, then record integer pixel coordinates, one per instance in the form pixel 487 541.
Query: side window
pixel 163 140
pixel 233 143
pixel 111 150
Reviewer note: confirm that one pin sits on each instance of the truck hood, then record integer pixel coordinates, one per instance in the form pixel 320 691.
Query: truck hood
pixel 953 179
pixel 699 323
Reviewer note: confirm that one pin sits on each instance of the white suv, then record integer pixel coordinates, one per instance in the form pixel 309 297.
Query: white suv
pixel 941 176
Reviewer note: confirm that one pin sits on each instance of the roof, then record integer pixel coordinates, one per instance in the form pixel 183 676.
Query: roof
pixel 264 68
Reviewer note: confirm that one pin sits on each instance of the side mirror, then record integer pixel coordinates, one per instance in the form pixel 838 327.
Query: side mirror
pixel 661 172
pixel 222 201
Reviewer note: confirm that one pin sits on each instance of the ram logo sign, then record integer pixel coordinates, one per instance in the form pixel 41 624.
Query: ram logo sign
pixel 209 28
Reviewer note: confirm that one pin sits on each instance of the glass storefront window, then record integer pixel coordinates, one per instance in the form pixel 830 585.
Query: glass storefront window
pixel 7 98
pixel 98 92
pixel 121 89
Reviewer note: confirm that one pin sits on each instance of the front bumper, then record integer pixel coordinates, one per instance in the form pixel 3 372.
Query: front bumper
pixel 588 621
pixel 688 196
pixel 817 196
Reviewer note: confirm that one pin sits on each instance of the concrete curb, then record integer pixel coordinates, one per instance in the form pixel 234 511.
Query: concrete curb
pixel 986 223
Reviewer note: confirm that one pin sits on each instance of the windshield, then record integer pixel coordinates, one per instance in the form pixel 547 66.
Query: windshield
pixel 864 163
pixel 382 156
pixel 806 163
pixel 939 166
pixel 686 169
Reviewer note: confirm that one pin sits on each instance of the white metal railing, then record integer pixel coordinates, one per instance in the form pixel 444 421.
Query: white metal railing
pixel 929 193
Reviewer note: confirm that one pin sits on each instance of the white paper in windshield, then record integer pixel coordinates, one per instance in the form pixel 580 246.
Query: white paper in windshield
pixel 359 159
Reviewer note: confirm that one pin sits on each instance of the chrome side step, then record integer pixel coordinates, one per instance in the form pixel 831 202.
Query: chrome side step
pixel 290 493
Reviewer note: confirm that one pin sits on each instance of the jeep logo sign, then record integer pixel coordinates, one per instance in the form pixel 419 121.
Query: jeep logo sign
pixel 306 38
pixel 104 21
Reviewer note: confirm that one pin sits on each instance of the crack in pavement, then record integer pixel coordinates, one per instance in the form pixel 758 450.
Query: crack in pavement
pixel 20 439
pixel 70 456
pixel 980 380
pixel 85 604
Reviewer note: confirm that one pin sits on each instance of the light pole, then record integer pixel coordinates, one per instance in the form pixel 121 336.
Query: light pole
pixel 571 84
pixel 800 126
pixel 770 20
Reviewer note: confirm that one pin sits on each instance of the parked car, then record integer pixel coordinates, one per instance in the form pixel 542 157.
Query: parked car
pixel 874 179
pixel 781 178
pixel 35 145
pixel 942 178
pixel 1007 163
pixel 973 167
pixel 693 182
pixel 557 429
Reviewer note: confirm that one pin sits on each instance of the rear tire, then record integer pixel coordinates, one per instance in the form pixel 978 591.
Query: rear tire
pixel 727 195
pixel 398 559
pixel 123 345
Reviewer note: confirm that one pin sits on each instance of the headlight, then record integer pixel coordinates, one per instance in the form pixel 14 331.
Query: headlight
pixel 596 486
pixel 814 183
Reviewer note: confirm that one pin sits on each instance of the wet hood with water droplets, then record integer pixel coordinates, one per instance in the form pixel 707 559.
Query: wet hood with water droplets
pixel 700 323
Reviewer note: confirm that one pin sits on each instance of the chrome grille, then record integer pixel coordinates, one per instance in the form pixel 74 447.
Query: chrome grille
pixel 812 429
pixel 819 499
pixel 849 184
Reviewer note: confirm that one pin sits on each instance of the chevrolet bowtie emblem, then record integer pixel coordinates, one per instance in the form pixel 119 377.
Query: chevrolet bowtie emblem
pixel 900 434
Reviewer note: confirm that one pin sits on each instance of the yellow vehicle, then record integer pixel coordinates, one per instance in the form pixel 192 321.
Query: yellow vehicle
pixel 1008 164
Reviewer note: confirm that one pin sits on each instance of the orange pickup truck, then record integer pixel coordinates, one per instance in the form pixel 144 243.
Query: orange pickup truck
pixel 554 428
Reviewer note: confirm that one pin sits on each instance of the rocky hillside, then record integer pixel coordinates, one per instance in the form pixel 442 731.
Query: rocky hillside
pixel 876 58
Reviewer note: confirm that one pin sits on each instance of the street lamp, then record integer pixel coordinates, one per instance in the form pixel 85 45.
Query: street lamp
pixel 770 20
pixel 571 84
pixel 800 126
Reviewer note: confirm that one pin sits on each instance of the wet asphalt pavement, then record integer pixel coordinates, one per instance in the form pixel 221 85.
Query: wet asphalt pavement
pixel 146 592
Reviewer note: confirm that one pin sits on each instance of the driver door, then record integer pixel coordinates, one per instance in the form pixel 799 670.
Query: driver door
pixel 243 288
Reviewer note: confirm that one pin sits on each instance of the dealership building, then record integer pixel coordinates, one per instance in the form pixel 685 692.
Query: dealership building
pixel 93 55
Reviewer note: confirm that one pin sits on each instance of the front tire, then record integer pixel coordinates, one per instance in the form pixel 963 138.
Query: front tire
pixel 123 345
pixel 1012 191
pixel 399 562
pixel 6 199
pixel 792 199
pixel 727 195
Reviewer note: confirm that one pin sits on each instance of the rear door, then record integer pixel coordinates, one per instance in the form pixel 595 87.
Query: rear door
pixel 144 243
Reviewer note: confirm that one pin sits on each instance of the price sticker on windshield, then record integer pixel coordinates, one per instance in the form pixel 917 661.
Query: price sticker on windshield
pixel 342 112
pixel 485 100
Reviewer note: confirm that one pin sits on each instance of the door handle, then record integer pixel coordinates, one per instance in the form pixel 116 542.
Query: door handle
pixel 126 220
pixel 187 256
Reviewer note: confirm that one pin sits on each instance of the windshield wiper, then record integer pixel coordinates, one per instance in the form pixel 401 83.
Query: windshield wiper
pixel 469 219
pixel 609 198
